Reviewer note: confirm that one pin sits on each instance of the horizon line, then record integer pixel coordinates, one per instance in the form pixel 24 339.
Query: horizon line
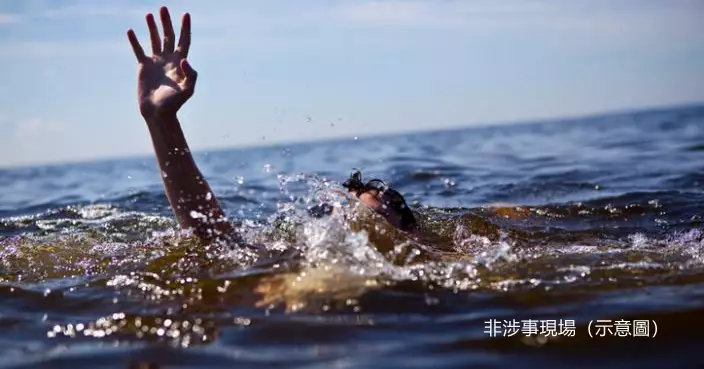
pixel 568 119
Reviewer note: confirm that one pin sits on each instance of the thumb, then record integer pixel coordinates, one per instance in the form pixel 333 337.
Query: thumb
pixel 190 73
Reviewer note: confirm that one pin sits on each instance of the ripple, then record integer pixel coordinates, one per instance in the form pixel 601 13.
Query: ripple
pixel 589 219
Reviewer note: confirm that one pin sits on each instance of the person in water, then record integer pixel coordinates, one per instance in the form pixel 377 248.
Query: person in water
pixel 166 80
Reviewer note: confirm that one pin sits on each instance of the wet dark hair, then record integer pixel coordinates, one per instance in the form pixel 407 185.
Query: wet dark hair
pixel 389 197
pixel 354 183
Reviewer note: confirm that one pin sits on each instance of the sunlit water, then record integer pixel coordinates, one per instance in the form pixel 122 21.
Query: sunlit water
pixel 584 220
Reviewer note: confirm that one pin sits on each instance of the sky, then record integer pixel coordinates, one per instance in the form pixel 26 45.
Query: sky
pixel 286 71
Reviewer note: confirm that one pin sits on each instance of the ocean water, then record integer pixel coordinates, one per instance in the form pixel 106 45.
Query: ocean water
pixel 552 245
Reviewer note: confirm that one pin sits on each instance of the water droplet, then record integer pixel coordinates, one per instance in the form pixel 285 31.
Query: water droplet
pixel 449 182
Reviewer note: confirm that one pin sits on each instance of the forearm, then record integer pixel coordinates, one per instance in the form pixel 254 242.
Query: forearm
pixel 189 194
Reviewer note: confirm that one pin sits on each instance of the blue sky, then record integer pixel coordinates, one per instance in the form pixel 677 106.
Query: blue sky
pixel 283 71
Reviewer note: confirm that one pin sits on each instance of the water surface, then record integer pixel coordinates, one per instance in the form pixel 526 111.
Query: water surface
pixel 553 222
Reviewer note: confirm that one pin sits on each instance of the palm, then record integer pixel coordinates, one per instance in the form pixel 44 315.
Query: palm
pixel 161 83
pixel 166 80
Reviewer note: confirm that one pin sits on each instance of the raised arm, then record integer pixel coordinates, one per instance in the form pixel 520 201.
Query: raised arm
pixel 165 82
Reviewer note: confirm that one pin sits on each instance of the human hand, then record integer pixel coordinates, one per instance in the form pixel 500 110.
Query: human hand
pixel 165 80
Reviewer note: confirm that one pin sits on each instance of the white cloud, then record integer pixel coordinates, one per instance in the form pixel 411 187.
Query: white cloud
pixel 269 26
pixel 94 10
pixel 34 139
pixel 76 48
pixel 5 124
pixel 592 16
pixel 33 128
pixel 443 14
pixel 391 13
pixel 9 19
pixel 46 9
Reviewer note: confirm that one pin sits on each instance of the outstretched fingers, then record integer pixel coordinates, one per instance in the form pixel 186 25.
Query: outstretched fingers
pixel 184 40
pixel 136 47
pixel 154 35
pixel 169 36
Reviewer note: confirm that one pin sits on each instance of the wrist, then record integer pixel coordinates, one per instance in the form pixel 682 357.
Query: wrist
pixel 165 131
pixel 153 115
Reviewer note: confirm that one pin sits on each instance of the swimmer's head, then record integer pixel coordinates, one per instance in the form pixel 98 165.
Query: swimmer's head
pixel 383 199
